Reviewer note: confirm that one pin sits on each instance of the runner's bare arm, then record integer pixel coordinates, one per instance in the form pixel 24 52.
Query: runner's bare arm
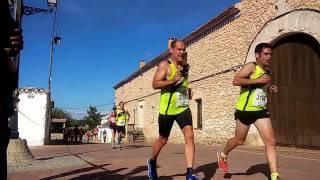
pixel 159 78
pixel 242 77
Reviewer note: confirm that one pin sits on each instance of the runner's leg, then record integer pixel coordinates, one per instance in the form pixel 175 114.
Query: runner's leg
pixel 189 145
pixel 265 129
pixel 238 139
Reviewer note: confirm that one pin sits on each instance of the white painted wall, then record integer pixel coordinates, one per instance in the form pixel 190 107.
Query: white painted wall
pixel 108 134
pixel 32 109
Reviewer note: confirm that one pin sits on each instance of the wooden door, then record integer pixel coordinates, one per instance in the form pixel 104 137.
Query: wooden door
pixel 295 109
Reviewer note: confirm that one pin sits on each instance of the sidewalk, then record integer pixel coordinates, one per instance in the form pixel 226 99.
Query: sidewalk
pixel 99 161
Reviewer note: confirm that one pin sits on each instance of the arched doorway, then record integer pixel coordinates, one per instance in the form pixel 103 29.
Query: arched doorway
pixel 295 109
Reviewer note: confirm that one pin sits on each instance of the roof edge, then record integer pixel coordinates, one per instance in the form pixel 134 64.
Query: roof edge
pixel 216 23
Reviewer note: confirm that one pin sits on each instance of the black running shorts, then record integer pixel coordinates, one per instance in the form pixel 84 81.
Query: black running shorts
pixel 249 117
pixel 166 121
pixel 121 129
pixel 113 126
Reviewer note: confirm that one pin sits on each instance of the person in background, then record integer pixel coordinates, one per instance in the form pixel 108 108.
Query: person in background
pixel 122 118
pixel 76 134
pixel 80 134
pixel 113 126
pixel 104 133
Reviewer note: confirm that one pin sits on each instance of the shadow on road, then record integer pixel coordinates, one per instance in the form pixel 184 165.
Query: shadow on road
pixel 61 142
pixel 259 168
pixel 209 170
pixel 82 170
pixel 106 174
pixel 134 146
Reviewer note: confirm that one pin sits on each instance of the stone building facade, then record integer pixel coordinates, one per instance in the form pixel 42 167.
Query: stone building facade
pixel 216 51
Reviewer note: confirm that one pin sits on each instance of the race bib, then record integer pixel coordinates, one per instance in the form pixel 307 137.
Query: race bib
pixel 260 98
pixel 182 98
pixel 121 122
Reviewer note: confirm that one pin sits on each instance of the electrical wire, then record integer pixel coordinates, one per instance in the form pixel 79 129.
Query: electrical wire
pixel 28 118
pixel 85 107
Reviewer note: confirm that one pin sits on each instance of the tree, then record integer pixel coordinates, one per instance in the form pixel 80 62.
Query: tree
pixel 61 114
pixel 77 123
pixel 93 118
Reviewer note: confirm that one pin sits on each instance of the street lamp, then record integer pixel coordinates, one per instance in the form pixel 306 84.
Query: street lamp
pixel 52 4
pixel 57 40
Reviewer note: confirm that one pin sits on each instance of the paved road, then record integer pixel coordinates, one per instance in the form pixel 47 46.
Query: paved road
pixel 99 161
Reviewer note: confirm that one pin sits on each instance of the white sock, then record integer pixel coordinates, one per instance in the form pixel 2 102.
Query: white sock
pixel 224 156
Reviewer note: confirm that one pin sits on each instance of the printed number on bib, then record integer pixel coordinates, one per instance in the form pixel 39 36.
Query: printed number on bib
pixel 182 98
pixel 260 98
pixel 122 123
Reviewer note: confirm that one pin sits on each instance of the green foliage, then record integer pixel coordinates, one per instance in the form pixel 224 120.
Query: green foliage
pixel 77 123
pixel 93 118
pixel 61 114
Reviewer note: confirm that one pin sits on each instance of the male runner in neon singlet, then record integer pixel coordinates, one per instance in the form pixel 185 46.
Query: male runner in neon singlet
pixel 251 108
pixel 122 117
pixel 171 78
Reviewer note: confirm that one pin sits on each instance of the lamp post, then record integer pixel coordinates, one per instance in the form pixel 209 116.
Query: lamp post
pixel 55 40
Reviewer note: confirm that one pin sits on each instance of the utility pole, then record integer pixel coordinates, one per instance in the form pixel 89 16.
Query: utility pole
pixel 53 41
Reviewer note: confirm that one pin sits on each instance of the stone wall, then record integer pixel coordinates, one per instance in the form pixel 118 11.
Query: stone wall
pixel 221 50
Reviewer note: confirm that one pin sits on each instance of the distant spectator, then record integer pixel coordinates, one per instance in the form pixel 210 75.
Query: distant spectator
pixel 65 134
pixel 113 127
pixel 88 135
pixel 76 134
pixel 71 134
pixel 80 134
pixel 95 133
pixel 104 135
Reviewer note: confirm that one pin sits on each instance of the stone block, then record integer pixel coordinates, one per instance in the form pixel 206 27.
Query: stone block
pixel 18 153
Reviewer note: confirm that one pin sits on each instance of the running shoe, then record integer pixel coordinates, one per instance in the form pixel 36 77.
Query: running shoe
pixel 222 162
pixel 152 170
pixel 191 177
pixel 275 176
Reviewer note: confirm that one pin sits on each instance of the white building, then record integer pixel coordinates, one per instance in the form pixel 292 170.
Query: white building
pixel 33 123
pixel 104 119
pixel 104 126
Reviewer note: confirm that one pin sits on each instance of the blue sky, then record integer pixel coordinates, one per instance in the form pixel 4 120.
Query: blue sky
pixel 102 44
